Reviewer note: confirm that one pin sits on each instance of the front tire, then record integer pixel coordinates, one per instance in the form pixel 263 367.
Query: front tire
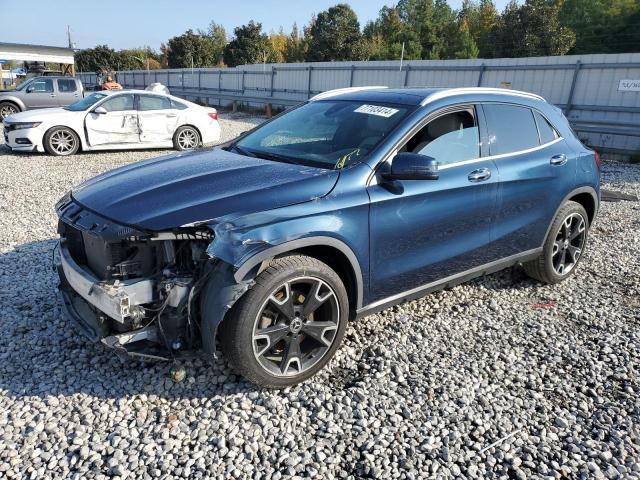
pixel 7 108
pixel 186 138
pixel 61 141
pixel 289 325
pixel 564 247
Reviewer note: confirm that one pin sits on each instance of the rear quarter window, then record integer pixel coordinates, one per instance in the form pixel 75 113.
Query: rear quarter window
pixel 178 105
pixel 512 128
pixel 547 132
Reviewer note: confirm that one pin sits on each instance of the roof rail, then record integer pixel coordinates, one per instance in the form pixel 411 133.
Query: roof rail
pixel 340 91
pixel 460 91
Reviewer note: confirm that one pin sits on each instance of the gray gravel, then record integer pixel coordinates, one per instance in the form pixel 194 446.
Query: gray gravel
pixel 498 378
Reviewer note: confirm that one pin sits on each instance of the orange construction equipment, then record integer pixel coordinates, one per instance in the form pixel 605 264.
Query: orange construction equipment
pixel 111 85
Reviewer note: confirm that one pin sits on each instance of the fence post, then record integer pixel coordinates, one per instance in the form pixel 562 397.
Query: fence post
pixel 273 71
pixel 483 67
pixel 199 80
pixel 353 69
pixel 182 80
pixel 309 82
pixel 219 81
pixel 242 81
pixel 406 75
pixel 574 80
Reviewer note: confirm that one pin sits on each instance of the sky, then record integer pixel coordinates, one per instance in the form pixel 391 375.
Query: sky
pixel 134 23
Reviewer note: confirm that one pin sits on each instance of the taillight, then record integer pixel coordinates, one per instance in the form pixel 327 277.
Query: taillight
pixel 596 155
pixel 213 115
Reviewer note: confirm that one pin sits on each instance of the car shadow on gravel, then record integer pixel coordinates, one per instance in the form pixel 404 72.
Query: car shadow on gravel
pixel 42 353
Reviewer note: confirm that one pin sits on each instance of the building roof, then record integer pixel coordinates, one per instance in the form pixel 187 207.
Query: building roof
pixel 36 53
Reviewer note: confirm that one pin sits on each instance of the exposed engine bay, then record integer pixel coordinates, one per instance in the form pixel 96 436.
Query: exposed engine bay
pixel 140 292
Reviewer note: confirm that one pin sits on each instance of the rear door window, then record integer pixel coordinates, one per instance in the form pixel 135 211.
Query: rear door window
pixel 547 132
pixel 153 102
pixel 66 85
pixel 511 128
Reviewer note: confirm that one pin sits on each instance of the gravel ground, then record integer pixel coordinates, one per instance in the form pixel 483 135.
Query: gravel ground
pixel 498 378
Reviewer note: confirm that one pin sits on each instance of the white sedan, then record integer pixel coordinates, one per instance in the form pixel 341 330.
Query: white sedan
pixel 113 120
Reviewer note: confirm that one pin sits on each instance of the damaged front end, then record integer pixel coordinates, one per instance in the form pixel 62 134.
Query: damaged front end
pixel 140 292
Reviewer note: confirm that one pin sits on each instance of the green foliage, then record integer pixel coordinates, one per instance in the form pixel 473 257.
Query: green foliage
pixel 335 35
pixel 192 49
pixel 296 46
pixel 96 59
pixel 603 26
pixel 532 29
pixel 426 29
pixel 249 45
pixel 481 17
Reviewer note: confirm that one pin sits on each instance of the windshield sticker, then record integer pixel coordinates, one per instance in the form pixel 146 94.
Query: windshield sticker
pixel 385 112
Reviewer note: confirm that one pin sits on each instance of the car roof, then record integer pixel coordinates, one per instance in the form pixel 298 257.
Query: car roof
pixel 419 96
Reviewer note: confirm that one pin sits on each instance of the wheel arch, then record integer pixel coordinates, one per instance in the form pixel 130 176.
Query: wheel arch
pixel 586 196
pixel 187 125
pixel 335 253
pixel 81 145
pixel 588 201
pixel 14 101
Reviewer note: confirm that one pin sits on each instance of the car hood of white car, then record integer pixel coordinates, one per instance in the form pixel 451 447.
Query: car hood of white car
pixel 42 115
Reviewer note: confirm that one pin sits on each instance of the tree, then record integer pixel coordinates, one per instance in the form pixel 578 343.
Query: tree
pixel 463 46
pixel 434 22
pixel 388 33
pixel 278 44
pixel 481 18
pixel 96 59
pixel 335 35
pixel 532 29
pixel 218 36
pixel 295 49
pixel 603 26
pixel 249 45
pixel 138 59
pixel 191 49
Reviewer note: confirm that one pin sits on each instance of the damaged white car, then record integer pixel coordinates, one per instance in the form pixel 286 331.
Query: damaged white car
pixel 113 120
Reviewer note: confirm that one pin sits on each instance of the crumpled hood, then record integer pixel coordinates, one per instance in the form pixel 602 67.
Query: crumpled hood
pixel 175 190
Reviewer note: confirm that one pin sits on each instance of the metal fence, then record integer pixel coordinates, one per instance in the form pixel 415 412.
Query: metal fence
pixel 592 90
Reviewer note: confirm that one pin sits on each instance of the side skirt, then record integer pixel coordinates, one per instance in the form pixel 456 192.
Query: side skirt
pixel 448 282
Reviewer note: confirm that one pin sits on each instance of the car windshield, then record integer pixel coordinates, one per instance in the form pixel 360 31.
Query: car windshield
pixel 328 134
pixel 85 103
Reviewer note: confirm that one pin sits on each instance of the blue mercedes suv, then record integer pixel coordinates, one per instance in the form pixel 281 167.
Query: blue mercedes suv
pixel 351 202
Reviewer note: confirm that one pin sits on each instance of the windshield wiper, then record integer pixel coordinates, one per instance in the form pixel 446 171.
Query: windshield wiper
pixel 274 156
pixel 242 151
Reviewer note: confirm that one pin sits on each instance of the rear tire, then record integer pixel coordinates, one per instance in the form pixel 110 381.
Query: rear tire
pixel 564 246
pixel 61 141
pixel 186 138
pixel 7 108
pixel 289 325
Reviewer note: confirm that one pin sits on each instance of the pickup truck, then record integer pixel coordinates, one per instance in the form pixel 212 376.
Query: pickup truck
pixel 40 92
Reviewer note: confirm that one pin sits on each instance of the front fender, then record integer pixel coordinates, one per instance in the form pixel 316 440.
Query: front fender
pixel 13 99
pixel 246 242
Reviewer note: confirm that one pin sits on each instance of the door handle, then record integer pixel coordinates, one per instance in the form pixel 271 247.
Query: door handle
pixel 480 175
pixel 559 159
pixel 171 115
pixel 52 95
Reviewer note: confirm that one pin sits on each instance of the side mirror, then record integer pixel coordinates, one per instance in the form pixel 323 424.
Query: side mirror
pixel 100 110
pixel 412 166
pixel 30 89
